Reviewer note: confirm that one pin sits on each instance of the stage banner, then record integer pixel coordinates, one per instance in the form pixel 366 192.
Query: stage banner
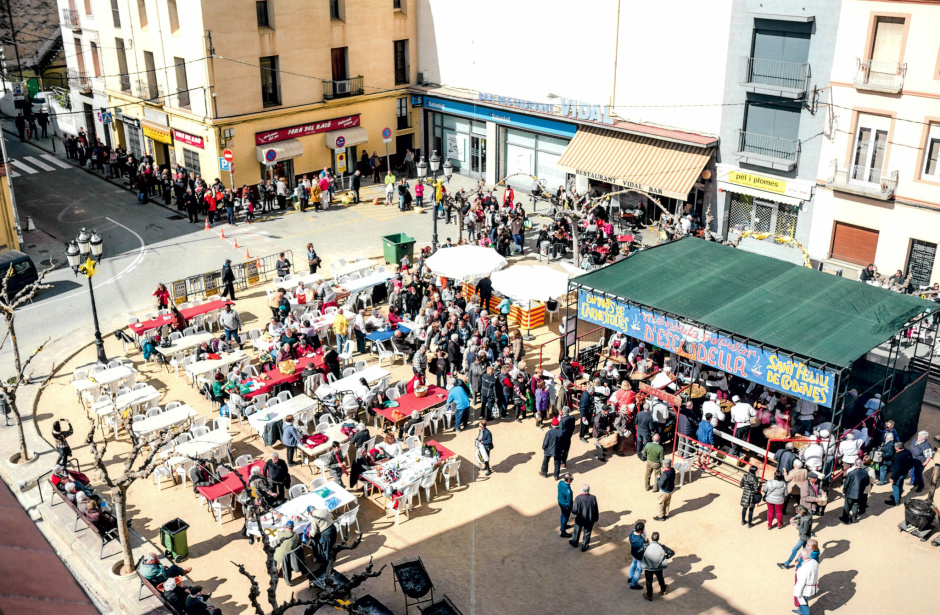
pixel 750 362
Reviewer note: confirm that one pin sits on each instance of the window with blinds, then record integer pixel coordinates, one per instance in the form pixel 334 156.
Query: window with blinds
pixel 889 31
pixel 932 153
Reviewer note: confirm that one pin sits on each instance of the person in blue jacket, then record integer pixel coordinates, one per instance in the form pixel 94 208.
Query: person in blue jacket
pixel 458 396
pixel 705 435
pixel 565 499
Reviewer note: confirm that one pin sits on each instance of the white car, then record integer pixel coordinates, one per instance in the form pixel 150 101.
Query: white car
pixel 41 102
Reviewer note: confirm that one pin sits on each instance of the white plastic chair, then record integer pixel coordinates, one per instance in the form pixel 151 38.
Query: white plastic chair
pixel 184 437
pixel 349 371
pixel 183 470
pixel 392 393
pixel 189 331
pixel 426 483
pixel 405 502
pixel 222 471
pixel 152 412
pixel 322 462
pixel 199 431
pixel 199 421
pixel 296 491
pixel 222 504
pixel 272 402
pixel 412 442
pixel 220 422
pixel 133 320
pixel 173 404
pixel 448 415
pixel 139 386
pixel 159 473
pixel 347 354
pixel 346 520
pixel 317 483
pixel 451 470
pixel 174 336
pixel 284 396
pixel 384 353
pixel 243 460
pixel 360 365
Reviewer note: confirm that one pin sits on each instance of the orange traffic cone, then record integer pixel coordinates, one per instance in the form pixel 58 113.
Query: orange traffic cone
pixel 236 243
pixel 246 253
pixel 223 233
pixel 376 201
pixel 207 224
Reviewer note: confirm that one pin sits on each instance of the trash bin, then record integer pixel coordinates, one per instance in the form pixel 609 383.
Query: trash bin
pixel 919 513
pixel 397 246
pixel 173 538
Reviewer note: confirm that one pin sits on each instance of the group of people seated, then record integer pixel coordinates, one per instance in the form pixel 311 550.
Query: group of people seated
pixel 77 489
pixel 190 599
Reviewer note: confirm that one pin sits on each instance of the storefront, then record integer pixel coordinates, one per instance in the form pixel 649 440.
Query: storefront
pixel 133 138
pixel 525 146
pixel 276 150
pixel 188 151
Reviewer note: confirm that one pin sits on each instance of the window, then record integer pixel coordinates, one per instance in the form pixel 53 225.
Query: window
pixel 396 4
pixel 772 129
pixel 401 62
pixel 115 13
pixel 270 86
pixel 339 63
pixel 932 153
pixel 95 63
pixel 182 85
pixel 174 15
pixel 746 212
pixel 337 9
pixel 871 141
pixel 142 12
pixel 404 120
pixel 151 90
pixel 920 261
pixel 122 64
pixel 889 33
pixel 79 56
pixel 191 162
pixel 88 9
pixel 778 57
pixel 261 8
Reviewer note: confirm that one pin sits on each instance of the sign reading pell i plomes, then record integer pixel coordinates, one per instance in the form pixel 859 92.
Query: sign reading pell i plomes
pixel 713 349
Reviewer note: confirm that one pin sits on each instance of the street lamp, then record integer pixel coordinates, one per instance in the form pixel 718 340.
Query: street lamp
pixel 83 253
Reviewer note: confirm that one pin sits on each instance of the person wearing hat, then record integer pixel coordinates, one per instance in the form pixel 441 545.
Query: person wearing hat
pixel 286 540
pixel 228 280
pixel 741 414
pixel 809 494
pixel 711 406
pixel 750 496
pixel 873 405
pixel 663 379
pixel 196 603
pixel 322 530
pixel 638 354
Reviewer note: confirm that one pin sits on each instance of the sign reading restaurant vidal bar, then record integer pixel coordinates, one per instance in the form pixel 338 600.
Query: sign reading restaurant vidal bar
pixel 302 130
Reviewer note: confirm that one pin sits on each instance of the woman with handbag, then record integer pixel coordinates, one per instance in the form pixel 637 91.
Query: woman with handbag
pixel 484 444
pixel 313 261
pixel 751 496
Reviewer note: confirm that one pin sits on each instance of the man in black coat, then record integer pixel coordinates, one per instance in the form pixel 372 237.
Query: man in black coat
pixel 485 289
pixel 585 516
pixel 356 184
pixel 228 280
pixel 785 458
pixel 551 448
pixel 586 406
pixel 853 489
pixel 644 429
pixel 902 464
pixel 275 470
pixel 566 424
pixel 687 425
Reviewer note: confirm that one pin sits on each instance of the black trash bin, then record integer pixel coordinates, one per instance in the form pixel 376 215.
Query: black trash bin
pixel 919 513
pixel 174 540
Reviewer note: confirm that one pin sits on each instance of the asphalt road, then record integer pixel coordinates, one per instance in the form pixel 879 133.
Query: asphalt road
pixel 147 244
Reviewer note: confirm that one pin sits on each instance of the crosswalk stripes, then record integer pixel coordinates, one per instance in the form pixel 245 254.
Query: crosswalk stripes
pixel 56 161
pixel 22 167
pixel 38 163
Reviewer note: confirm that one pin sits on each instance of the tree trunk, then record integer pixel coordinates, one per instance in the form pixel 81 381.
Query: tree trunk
pixel 575 246
pixel 24 456
pixel 19 376
pixel 459 225
pixel 120 514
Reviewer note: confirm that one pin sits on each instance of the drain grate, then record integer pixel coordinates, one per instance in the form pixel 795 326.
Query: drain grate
pixel 175 217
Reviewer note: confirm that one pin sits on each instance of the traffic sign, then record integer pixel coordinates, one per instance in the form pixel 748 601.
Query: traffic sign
pixel 224 164
pixel 341 161
pixel 340 141
pixel 270 155
pixel 386 133
pixel 228 155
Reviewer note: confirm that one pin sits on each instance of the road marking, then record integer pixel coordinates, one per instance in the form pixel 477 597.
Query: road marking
pixel 14 173
pixel 39 163
pixel 23 167
pixel 54 160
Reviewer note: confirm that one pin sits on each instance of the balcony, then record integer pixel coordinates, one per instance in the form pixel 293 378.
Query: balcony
pixel 342 88
pixel 70 19
pixel 770 152
pixel 879 75
pixel 79 80
pixel 873 183
pixel 774 77
pixel 150 92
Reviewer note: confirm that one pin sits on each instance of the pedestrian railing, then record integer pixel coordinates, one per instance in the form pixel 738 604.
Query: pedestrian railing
pixel 209 284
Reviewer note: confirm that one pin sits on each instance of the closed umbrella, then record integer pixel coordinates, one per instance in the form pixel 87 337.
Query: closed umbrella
pixel 462 263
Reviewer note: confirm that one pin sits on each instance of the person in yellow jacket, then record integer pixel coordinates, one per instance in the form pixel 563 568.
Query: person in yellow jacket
pixel 389 187
pixel 341 330
pixel 438 196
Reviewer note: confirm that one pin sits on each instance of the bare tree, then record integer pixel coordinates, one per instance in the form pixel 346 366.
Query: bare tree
pixel 122 483
pixel 10 386
pixel 332 592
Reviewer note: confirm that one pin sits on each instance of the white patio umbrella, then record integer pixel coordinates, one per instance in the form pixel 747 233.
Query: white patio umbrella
pixel 534 283
pixel 464 263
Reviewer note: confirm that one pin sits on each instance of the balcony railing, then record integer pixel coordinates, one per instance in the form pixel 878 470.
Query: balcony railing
pixel 880 75
pixel 151 92
pixel 856 179
pixel 342 88
pixel 766 151
pixel 79 80
pixel 775 77
pixel 70 19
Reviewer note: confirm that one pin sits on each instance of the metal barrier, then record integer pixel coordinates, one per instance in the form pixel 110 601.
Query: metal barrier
pixel 209 284
pixel 577 342
pixel 687 445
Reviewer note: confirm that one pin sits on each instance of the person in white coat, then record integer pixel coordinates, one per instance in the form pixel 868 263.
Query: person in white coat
pixel 807 577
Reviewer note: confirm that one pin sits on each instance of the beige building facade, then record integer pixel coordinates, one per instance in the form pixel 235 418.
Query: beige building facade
pixel 289 86
pixel 879 177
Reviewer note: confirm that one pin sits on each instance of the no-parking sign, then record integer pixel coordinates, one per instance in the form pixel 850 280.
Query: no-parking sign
pixel 387 135
pixel 340 141
pixel 270 156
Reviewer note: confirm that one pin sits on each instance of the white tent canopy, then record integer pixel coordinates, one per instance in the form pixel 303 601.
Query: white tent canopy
pixel 535 283
pixel 462 263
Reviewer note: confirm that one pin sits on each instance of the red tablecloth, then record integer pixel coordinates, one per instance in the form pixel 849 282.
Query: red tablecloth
pixel 624 237
pixel 408 403
pixel 276 378
pixel 188 313
pixel 229 483
pixel 445 452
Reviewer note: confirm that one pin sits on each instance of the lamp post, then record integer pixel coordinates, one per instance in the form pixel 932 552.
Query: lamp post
pixel 435 166
pixel 83 253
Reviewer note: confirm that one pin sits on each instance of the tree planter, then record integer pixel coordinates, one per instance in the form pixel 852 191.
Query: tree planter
pixel 14 459
pixel 116 571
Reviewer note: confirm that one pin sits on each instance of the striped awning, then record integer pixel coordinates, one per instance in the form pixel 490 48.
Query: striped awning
pixel 653 166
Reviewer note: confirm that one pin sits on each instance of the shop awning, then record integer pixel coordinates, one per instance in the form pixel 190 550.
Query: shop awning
pixel 341 139
pixel 649 165
pixel 761 194
pixel 158 133
pixel 285 150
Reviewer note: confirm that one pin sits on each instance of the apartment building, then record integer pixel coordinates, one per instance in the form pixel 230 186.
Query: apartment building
pixel 772 127
pixel 878 195
pixel 289 86
pixel 85 73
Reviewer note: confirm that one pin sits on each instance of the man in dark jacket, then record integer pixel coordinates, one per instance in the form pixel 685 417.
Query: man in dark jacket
pixel 785 458
pixel 853 489
pixel 686 425
pixel 275 470
pixel 585 516
pixel 485 289
pixel 603 424
pixel 188 202
pixel 644 428
pixel 586 406
pixel 565 502
pixel 488 388
pixel 666 485
pixel 356 184
pixel 228 280
pixel 567 425
pixel 551 449
pixel 900 466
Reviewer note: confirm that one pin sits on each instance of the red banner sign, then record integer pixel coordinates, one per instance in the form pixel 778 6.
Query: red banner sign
pixel 303 130
pixel 669 398
pixel 187 139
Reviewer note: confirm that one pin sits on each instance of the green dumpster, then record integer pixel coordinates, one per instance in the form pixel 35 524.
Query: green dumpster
pixel 173 538
pixel 397 246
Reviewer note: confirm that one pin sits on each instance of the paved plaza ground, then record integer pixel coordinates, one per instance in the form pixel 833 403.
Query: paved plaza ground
pixel 492 544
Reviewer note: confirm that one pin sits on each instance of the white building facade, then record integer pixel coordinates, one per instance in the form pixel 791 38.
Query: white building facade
pixel 84 57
